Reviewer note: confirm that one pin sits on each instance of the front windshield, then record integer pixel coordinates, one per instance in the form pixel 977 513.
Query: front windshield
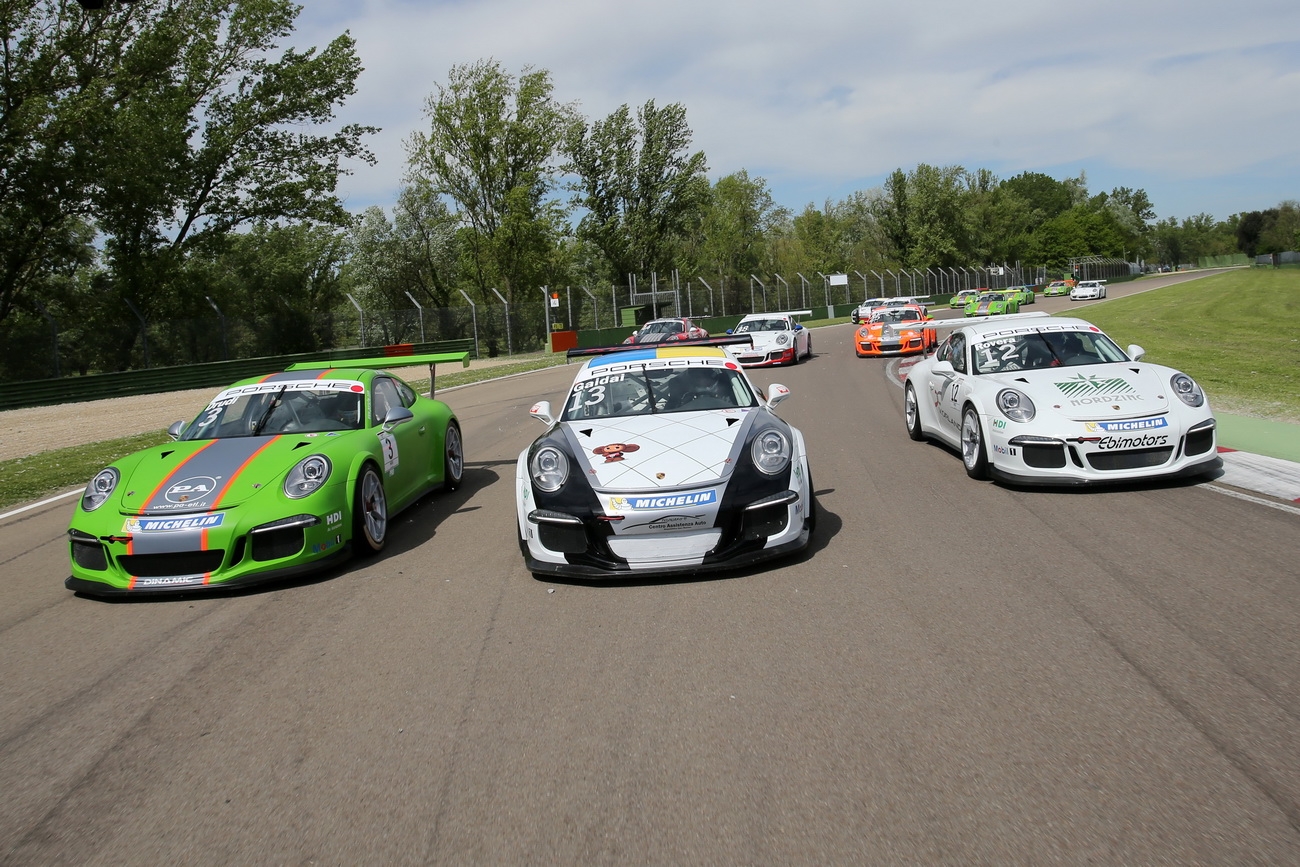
pixel 671 326
pixel 659 388
pixel 266 409
pixel 755 325
pixel 1044 349
pixel 893 316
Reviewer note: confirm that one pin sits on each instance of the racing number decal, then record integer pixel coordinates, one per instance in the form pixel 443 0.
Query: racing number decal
pixel 388 443
pixel 953 387
pixel 595 395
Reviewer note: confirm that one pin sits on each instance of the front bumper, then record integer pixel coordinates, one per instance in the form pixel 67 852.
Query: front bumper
pixel 118 555
pixel 1042 460
pixel 554 543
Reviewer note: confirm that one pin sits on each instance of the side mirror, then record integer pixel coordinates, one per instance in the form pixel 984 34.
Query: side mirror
pixel 1136 352
pixel 174 430
pixel 776 393
pixel 798 327
pixel 542 412
pixel 396 416
pixel 943 367
pixel 729 331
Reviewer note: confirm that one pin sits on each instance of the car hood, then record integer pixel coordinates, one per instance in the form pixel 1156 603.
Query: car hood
pixel 1094 391
pixel 201 475
pixel 661 451
pixel 762 342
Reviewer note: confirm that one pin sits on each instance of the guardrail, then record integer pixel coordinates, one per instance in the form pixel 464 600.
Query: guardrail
pixel 76 389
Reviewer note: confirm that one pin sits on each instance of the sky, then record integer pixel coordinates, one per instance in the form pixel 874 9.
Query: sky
pixel 1195 102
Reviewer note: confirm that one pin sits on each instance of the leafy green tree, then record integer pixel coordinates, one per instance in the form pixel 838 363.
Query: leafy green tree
pixel 641 190
pixel 166 125
pixel 493 148
pixel 738 222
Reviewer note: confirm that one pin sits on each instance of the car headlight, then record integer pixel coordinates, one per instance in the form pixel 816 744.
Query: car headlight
pixel 1187 390
pixel 771 451
pixel 307 476
pixel 1015 405
pixel 782 339
pixel 864 333
pixel 100 488
pixel 550 468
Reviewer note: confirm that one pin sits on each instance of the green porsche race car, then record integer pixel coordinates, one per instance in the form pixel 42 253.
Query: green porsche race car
pixel 960 300
pixel 994 303
pixel 1024 294
pixel 277 476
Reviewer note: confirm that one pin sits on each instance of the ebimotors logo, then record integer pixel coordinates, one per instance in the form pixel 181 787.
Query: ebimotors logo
pixel 1124 426
pixel 1085 386
pixel 669 501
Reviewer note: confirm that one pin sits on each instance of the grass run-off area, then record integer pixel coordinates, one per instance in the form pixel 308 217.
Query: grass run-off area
pixel 1236 333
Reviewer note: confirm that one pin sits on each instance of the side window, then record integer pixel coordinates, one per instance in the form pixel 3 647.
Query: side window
pixel 405 392
pixel 957 353
pixel 383 397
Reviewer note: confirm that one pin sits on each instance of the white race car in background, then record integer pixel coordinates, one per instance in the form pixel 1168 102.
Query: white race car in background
pixel 777 339
pixel 1088 290
pixel 862 313
pixel 662 460
pixel 1033 399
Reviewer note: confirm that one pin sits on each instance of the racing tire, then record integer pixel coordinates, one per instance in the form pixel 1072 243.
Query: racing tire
pixel 370 513
pixel 453 458
pixel 912 414
pixel 973 454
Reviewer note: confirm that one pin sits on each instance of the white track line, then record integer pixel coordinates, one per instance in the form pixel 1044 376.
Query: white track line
pixel 53 499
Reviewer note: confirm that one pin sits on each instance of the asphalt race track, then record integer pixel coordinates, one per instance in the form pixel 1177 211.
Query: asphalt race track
pixel 957 673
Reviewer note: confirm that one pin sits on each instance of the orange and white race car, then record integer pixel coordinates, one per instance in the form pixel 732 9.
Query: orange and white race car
pixel 895 331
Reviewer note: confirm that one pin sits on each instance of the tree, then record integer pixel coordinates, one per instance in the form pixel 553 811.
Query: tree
pixel 493 147
pixel 641 191
pixel 167 123
pixel 738 222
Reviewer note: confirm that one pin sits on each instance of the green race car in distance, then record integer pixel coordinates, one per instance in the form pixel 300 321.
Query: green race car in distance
pixel 959 300
pixel 1024 294
pixel 1058 287
pixel 277 476
pixel 992 303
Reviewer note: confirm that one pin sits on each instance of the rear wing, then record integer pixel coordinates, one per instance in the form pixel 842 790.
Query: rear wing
pixel 957 323
pixel 668 344
pixel 387 362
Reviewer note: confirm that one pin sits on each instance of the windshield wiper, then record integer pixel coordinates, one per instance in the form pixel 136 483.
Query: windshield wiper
pixel 275 401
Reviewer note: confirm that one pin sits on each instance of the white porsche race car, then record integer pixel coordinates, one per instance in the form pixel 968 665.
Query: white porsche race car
pixel 1088 290
pixel 662 460
pixel 777 339
pixel 1033 399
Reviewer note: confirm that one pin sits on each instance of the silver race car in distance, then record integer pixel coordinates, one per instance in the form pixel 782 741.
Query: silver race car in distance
pixel 663 460
pixel 1034 399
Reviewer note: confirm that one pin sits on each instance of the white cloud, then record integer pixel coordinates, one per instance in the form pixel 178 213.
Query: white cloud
pixel 1190 101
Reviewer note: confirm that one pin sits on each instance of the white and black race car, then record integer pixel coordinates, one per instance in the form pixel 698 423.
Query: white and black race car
pixel 662 460
pixel 1035 399
pixel 777 339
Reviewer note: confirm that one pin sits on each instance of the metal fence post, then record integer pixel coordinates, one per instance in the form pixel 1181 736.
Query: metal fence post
pixel 421 309
pixel 473 312
pixel 509 347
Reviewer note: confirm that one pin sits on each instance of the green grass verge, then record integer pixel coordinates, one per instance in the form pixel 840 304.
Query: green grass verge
pixel 31 478
pixel 1237 334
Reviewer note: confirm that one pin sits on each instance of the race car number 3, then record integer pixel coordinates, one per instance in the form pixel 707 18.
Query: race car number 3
pixel 388 443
